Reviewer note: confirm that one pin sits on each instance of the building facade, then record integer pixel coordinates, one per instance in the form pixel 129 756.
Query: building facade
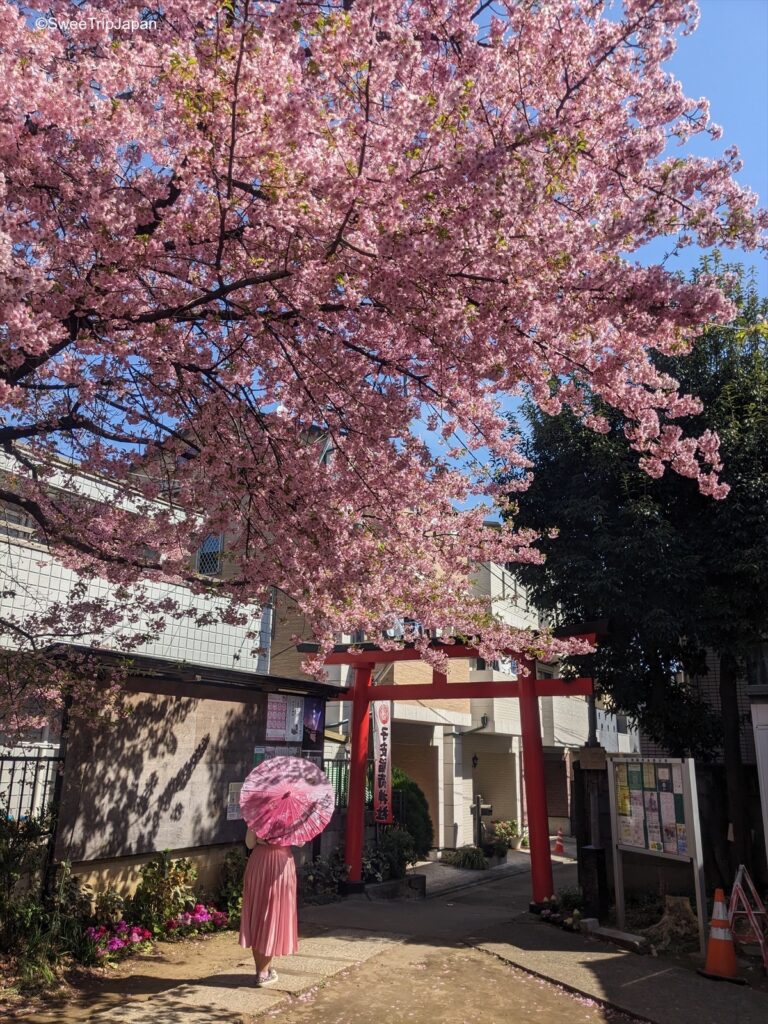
pixel 165 775
pixel 458 750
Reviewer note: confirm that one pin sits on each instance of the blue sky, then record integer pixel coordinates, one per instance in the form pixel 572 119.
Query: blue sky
pixel 726 60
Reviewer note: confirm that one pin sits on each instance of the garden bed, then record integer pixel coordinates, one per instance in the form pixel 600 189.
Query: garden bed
pixel 104 986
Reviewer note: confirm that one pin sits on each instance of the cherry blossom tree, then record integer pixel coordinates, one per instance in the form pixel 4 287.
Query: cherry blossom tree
pixel 274 267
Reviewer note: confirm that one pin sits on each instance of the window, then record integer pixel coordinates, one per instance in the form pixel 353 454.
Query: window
pixel 15 523
pixel 209 555
pixel 326 452
pixel 506 665
pixel 414 627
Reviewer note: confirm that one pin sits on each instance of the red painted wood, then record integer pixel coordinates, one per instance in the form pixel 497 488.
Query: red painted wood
pixel 527 689
pixel 465 691
pixel 360 727
pixel 535 787
pixel 345 656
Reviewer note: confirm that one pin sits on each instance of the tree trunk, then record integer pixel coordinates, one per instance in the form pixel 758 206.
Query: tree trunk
pixel 736 788
pixel 678 924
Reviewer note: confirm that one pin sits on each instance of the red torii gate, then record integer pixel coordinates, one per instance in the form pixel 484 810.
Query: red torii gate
pixel 527 688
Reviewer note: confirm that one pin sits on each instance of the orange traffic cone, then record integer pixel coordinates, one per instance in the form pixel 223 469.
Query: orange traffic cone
pixel 559 849
pixel 721 953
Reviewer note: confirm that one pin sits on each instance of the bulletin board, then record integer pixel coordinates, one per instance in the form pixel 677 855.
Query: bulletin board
pixel 294 727
pixel 655 812
pixel 650 806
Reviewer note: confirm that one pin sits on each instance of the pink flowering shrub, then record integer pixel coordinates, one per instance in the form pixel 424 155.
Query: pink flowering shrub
pixel 116 941
pixel 201 919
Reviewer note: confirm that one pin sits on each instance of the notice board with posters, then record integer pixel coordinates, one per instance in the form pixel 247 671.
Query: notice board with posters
pixel 655 812
pixel 286 725
pixel 294 726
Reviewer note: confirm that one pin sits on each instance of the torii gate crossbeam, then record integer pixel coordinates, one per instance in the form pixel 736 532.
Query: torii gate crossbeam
pixel 527 689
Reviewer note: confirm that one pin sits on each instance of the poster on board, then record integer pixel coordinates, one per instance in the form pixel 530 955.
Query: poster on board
pixel 277 717
pixel 285 719
pixel 648 802
pixel 314 715
pixel 294 720
pixel 653 821
pixel 233 801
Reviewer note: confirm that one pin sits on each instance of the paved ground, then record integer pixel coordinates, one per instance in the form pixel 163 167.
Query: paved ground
pixel 231 996
pixel 427 983
pixel 462 955
pixel 491 919
pixel 442 879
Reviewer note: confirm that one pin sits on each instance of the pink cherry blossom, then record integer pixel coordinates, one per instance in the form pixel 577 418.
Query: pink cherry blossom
pixel 250 251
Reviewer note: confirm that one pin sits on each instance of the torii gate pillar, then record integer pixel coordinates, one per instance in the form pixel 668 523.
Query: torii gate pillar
pixel 527 688
pixel 542 885
pixel 360 724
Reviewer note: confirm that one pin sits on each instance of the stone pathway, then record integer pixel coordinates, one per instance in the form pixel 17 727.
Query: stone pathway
pixel 442 879
pixel 230 995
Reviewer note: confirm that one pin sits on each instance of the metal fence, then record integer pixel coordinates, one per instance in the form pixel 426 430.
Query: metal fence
pixel 338 775
pixel 27 784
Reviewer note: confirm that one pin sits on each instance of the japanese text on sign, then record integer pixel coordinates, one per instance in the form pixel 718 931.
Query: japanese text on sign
pixel 382 762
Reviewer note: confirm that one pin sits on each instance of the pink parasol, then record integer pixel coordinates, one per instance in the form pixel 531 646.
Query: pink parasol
pixel 286 801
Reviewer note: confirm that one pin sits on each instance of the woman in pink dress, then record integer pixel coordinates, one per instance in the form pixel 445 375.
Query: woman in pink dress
pixel 268 922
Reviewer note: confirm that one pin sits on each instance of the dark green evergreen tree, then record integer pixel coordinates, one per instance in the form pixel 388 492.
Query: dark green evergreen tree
pixel 674 572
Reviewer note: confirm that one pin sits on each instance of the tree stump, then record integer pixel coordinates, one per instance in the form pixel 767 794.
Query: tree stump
pixel 678 923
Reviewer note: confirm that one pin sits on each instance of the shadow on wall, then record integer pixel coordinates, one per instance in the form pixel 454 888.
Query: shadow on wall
pixel 156 779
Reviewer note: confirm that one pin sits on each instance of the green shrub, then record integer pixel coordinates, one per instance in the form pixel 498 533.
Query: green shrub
pixel 398 849
pixel 109 906
pixel 414 815
pixel 23 849
pixel 569 900
pixel 495 848
pixel 375 865
pixel 319 880
pixel 34 973
pixel 69 913
pixel 231 890
pixel 166 890
pixel 468 857
pixel 45 931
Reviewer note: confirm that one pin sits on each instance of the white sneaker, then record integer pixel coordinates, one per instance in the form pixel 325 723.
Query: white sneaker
pixel 269 979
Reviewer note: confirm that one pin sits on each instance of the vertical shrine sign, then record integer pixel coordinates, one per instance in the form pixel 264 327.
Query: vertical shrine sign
pixel 655 812
pixel 382 762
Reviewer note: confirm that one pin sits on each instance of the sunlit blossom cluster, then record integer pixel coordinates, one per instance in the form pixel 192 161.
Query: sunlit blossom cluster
pixel 274 269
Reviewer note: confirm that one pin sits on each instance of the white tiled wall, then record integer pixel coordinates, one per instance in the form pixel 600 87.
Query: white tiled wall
pixel 31 579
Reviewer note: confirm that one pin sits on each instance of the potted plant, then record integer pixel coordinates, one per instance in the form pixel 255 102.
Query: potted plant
pixel 508 832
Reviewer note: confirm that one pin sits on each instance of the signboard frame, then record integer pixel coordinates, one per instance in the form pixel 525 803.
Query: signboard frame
pixel 693 854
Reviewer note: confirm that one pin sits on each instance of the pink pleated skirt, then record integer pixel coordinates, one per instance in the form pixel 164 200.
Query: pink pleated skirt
pixel 268 921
